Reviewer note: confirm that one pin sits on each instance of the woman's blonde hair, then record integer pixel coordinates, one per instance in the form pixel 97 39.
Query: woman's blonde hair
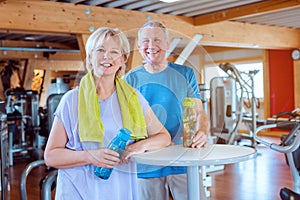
pixel 97 38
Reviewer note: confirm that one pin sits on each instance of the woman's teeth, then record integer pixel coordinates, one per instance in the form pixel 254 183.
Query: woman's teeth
pixel 106 65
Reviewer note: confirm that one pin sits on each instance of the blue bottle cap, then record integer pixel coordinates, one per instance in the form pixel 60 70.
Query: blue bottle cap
pixel 124 133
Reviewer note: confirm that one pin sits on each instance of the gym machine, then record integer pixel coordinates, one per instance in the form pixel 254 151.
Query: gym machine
pixel 48 183
pixel 227 110
pixel 23 121
pixel 4 162
pixel 289 145
pixel 57 89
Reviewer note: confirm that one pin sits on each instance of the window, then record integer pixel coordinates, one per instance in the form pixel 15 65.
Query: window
pixel 255 68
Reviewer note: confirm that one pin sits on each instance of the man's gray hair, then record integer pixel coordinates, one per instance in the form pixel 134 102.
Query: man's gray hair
pixel 153 24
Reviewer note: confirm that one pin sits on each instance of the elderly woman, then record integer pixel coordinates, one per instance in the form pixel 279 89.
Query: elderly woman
pixel 90 116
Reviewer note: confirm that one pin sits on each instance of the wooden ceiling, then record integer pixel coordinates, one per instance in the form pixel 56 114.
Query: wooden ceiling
pixel 63 25
pixel 282 13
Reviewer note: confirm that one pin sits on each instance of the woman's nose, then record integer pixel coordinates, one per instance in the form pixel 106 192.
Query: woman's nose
pixel 106 54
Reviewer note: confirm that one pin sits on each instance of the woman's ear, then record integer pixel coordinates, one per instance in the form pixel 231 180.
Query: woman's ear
pixel 90 60
pixel 124 57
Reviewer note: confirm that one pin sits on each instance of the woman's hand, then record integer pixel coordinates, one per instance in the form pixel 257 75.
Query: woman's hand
pixel 104 157
pixel 132 149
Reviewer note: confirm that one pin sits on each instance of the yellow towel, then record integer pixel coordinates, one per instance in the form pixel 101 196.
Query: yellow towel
pixel 90 125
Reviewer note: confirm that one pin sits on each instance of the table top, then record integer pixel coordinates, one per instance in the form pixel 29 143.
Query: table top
pixel 213 154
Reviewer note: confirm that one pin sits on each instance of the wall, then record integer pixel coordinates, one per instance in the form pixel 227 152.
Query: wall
pixel 297 83
pixel 281 80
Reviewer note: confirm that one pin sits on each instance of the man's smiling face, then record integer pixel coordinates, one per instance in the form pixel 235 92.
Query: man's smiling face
pixel 153 45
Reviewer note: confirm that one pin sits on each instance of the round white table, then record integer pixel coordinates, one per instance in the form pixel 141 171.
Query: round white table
pixel 177 155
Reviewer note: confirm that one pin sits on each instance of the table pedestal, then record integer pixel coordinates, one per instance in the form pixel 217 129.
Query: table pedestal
pixel 193 182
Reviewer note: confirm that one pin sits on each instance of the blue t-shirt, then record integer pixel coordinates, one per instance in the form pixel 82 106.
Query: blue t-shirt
pixel 165 91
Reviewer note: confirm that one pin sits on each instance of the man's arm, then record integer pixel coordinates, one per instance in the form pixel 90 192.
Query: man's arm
pixel 204 124
pixel 200 138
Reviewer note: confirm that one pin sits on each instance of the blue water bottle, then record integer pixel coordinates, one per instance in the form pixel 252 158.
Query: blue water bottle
pixel 117 144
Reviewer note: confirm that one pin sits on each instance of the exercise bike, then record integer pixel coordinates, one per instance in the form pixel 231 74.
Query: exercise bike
pixel 290 147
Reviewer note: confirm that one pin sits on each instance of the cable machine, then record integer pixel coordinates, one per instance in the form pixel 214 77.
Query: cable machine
pixel 23 121
pixel 229 95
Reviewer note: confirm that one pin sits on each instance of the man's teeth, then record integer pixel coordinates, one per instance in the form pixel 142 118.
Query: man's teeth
pixel 152 52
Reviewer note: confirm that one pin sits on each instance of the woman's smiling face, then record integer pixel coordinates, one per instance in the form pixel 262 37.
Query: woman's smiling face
pixel 107 58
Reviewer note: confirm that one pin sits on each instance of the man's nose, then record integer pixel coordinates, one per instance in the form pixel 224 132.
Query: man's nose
pixel 150 44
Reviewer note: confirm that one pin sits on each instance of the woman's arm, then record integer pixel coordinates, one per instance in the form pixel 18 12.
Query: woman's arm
pixel 158 136
pixel 58 156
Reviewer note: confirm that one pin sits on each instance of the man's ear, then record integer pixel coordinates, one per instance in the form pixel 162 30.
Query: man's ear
pixel 139 47
pixel 168 44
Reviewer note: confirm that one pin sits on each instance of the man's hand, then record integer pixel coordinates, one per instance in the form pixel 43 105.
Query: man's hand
pixel 199 140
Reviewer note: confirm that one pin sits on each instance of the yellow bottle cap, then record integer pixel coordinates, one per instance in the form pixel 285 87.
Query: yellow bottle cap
pixel 189 102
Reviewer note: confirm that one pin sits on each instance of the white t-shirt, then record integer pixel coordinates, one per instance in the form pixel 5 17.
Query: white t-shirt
pixel 80 182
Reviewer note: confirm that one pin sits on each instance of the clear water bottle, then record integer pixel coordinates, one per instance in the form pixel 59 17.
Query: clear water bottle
pixel 189 118
pixel 118 144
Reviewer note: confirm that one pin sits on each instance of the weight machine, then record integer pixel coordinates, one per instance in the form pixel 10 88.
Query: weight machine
pixel 4 161
pixel 57 89
pixel 227 107
pixel 49 182
pixel 23 121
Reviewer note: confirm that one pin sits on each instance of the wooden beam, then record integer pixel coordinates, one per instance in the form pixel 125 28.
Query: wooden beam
pixel 28 76
pixel 57 17
pixel 57 65
pixel 33 44
pixel 36 32
pixel 234 60
pixel 46 85
pixel 66 18
pixel 81 39
pixel 267 97
pixel 246 10
pixel 244 35
pixel 297 83
pixel 67 56
pixel 39 55
pixel 135 59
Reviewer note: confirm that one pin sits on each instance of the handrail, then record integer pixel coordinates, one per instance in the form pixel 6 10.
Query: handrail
pixel 283 148
pixel 47 184
pixel 26 171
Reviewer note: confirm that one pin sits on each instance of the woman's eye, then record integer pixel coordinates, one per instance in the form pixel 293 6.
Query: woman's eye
pixel 115 52
pixel 100 50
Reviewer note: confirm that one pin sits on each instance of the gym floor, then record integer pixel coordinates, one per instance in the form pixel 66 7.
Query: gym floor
pixel 255 179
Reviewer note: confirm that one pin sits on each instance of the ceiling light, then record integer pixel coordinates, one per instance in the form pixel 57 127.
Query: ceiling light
pixel 31 38
pixel 169 1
